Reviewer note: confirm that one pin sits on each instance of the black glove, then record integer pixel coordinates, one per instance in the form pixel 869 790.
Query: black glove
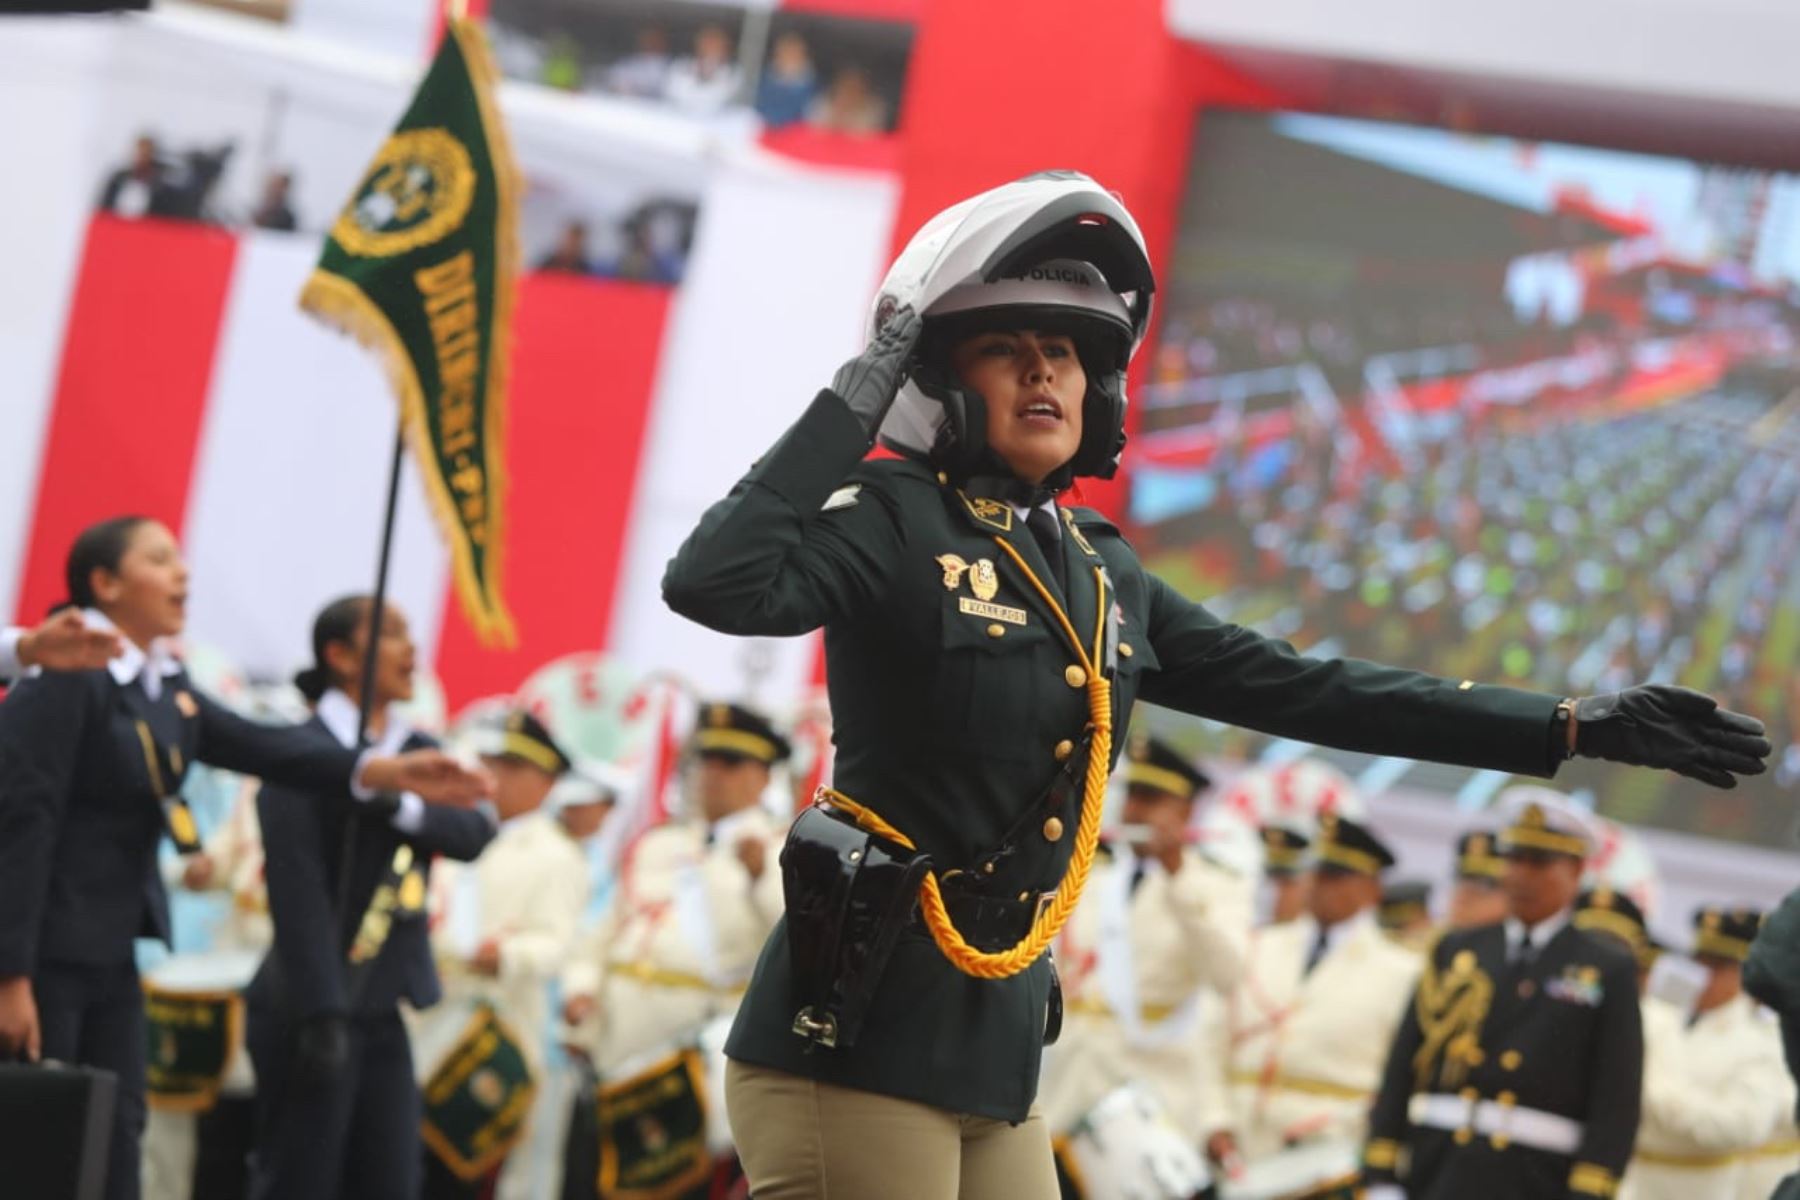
pixel 869 382
pixel 1659 725
pixel 322 1048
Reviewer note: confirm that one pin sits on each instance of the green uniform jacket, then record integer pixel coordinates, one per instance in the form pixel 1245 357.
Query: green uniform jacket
pixel 949 715
pixel 1562 1036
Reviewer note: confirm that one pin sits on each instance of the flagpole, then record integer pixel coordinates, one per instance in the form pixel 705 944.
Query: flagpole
pixel 371 655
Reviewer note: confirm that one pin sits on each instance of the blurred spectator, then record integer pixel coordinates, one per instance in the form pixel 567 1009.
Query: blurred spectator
pixel 571 252
pixel 562 63
pixel 706 83
pixel 145 187
pixel 276 210
pixel 790 85
pixel 194 180
pixel 644 73
pixel 849 105
pixel 653 251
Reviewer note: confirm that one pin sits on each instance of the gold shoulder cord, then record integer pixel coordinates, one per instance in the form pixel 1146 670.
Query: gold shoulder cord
pixel 1050 919
pixel 1451 1007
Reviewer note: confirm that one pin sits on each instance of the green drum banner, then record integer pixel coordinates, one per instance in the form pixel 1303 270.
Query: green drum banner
pixel 190 1039
pixel 477 1099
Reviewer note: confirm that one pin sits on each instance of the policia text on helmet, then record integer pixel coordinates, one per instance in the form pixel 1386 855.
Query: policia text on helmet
pixel 1052 256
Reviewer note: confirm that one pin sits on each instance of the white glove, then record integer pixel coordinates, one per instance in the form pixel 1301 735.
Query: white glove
pixel 1384 1191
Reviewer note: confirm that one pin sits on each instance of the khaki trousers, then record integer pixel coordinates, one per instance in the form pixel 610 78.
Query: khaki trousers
pixel 803 1140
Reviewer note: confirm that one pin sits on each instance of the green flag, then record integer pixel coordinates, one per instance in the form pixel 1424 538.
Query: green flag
pixel 419 266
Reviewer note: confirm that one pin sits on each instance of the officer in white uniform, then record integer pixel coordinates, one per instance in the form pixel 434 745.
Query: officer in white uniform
pixel 1160 928
pixel 504 924
pixel 1304 1036
pixel 1720 1091
pixel 695 901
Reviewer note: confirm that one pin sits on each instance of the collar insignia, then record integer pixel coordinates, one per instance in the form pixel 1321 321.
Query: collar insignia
pixel 989 512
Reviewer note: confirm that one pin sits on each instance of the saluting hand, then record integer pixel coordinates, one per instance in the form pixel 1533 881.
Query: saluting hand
pixel 20 1034
pixel 65 643
pixel 433 775
pixel 869 382
pixel 1677 728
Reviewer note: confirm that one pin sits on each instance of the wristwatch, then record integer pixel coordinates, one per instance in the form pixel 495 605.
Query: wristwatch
pixel 1562 731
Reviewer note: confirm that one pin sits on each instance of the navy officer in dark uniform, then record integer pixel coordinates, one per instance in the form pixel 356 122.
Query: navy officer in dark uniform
pixel 983 642
pixel 1517 1071
pixel 337 1103
pixel 91 764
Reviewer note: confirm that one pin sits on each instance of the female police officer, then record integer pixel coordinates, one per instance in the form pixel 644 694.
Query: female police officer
pixel 982 643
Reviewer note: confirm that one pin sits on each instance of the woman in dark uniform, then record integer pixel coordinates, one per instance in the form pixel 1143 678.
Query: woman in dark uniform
pixel 88 760
pixel 338 1105
pixel 982 643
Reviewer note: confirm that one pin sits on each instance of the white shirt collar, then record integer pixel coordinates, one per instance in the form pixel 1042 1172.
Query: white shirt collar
pixel 1343 931
pixel 1049 506
pixel 132 661
pixel 1541 933
pixel 339 714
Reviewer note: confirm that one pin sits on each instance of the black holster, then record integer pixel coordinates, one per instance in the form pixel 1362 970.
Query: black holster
pixel 849 894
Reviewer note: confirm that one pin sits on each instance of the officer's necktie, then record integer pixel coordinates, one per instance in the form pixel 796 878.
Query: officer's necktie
pixel 1320 945
pixel 1042 524
pixel 1137 875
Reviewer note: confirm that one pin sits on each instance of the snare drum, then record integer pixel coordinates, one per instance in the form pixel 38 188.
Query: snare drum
pixel 1326 1170
pixel 194 1005
pixel 194 1024
pixel 1127 1148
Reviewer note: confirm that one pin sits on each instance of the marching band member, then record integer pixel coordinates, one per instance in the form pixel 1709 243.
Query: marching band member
pixel 1719 1090
pixel 91 764
pixel 976 634
pixel 338 1110
pixel 1477 897
pixel 1303 1037
pixel 1287 868
pixel 1159 925
pixel 505 925
pixel 694 902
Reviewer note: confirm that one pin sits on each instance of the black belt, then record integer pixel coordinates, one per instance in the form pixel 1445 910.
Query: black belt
pixel 991 924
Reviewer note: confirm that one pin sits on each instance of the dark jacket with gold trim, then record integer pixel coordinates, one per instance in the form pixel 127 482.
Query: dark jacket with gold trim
pixel 80 818
pixel 950 707
pixel 1563 1036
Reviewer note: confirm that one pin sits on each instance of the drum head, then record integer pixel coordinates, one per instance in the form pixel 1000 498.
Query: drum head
pixel 1127 1148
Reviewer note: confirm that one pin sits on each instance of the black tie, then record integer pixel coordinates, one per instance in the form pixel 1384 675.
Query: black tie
pixel 1049 539
pixel 1320 944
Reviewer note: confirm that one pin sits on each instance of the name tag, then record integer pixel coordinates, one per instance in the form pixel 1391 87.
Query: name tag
pixel 993 612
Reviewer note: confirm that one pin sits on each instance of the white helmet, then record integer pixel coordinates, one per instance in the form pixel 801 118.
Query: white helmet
pixel 1054 245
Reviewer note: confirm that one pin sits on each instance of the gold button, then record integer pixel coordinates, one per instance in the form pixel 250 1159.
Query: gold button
pixel 943 477
pixel 1464 1136
pixel 1075 676
pixel 1064 748
pixel 987 868
pixel 1125 650
pixel 1511 1060
pixel 996 630
pixel 1053 829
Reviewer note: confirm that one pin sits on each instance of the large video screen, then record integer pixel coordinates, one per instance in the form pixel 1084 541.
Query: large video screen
pixel 1516 412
